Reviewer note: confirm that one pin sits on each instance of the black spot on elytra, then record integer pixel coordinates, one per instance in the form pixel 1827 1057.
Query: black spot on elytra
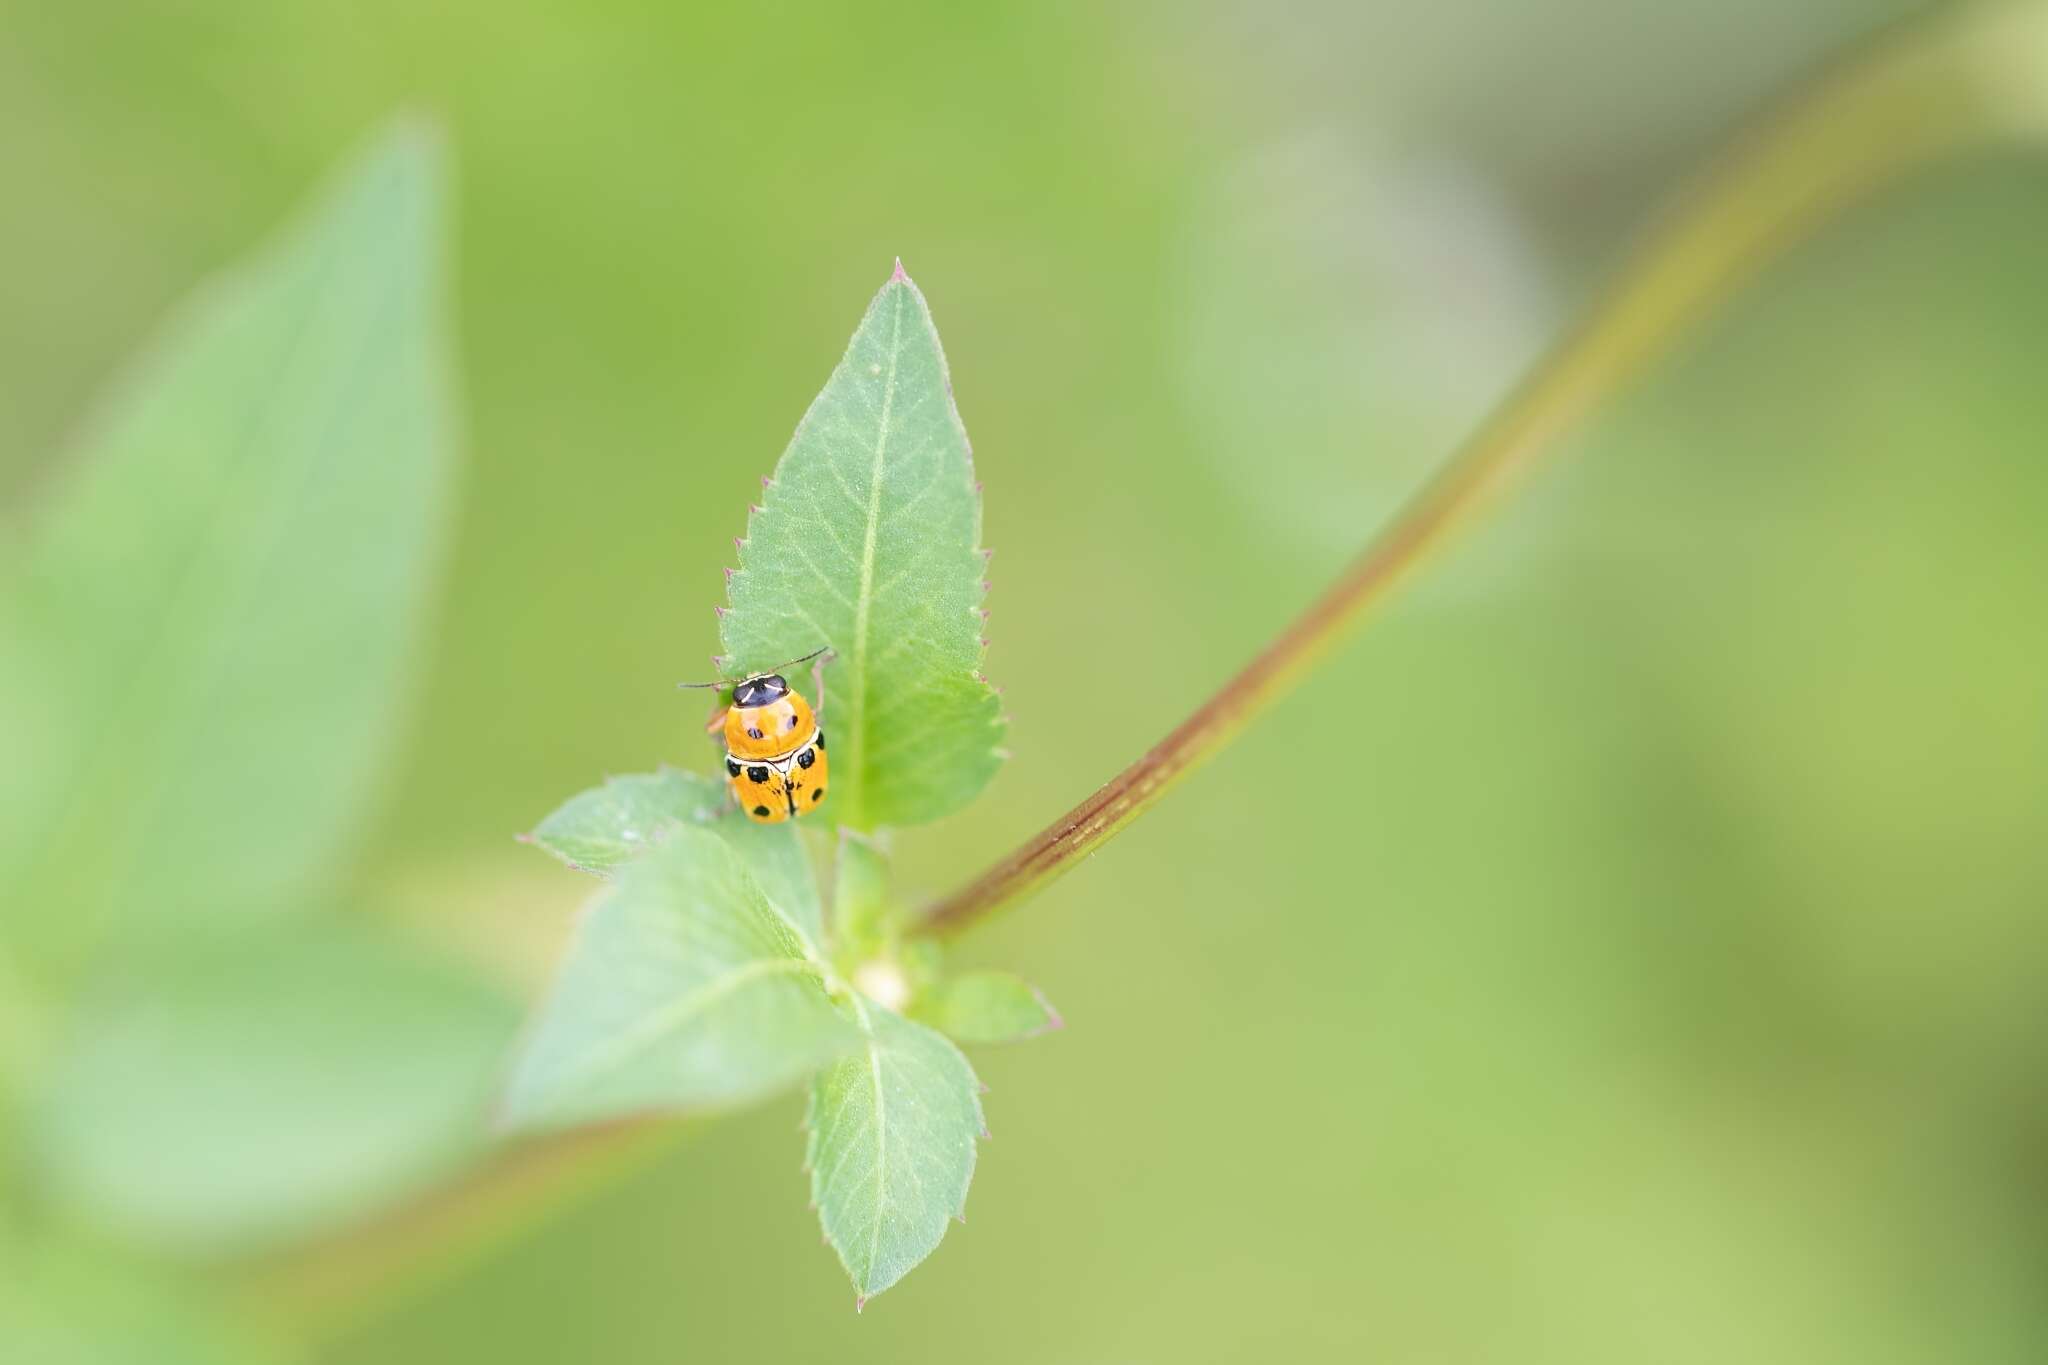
pixel 806 759
pixel 817 796
pixel 761 811
pixel 757 773
pixel 732 766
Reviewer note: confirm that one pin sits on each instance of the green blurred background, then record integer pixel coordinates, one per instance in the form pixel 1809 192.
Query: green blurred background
pixel 1660 977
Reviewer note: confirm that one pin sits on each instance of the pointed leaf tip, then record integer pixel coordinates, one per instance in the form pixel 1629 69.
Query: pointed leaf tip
pixel 897 608
pixel 886 1205
pixel 987 1007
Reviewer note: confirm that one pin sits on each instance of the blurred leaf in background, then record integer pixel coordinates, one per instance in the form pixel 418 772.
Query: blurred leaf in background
pixel 67 1305
pixel 208 628
pixel 1666 986
pixel 1351 317
pixel 250 1092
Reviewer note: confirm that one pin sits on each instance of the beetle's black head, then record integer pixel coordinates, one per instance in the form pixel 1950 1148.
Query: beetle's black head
pixel 760 691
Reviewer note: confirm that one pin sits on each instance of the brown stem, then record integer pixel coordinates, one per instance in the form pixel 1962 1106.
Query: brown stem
pixel 1971 77
pixel 321 1290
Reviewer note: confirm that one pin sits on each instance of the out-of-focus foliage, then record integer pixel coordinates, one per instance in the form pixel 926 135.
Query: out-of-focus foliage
pixel 206 630
pixel 245 1093
pixel 66 1305
pixel 205 634
pixel 1651 970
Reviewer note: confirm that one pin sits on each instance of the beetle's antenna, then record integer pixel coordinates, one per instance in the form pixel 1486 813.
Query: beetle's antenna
pixel 806 659
pixel 728 682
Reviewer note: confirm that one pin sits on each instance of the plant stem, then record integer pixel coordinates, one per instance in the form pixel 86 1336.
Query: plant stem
pixel 1969 78
pixel 324 1289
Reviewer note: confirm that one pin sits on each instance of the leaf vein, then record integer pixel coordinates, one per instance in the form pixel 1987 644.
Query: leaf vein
pixel 622 1047
pixel 865 599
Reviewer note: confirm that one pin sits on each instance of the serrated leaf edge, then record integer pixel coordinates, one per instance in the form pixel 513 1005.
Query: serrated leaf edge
pixel 860 1006
pixel 898 280
pixel 702 818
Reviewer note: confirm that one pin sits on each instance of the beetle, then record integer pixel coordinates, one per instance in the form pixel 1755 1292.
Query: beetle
pixel 775 761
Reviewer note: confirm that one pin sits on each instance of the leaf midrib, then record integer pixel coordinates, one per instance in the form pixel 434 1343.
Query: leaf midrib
pixel 864 600
pixel 676 1014
pixel 881 1142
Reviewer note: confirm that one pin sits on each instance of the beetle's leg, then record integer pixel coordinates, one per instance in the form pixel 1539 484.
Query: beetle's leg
pixel 818 682
pixel 715 721
pixel 725 807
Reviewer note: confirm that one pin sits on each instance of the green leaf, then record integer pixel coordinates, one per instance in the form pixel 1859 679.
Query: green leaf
pixel 258 1090
pixel 867 541
pixel 891 1147
pixel 683 989
pixel 207 635
pixel 65 1305
pixel 602 829
pixel 860 898
pixel 986 1007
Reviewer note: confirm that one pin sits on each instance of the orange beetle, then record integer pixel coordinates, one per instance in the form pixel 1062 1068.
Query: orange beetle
pixel 774 747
